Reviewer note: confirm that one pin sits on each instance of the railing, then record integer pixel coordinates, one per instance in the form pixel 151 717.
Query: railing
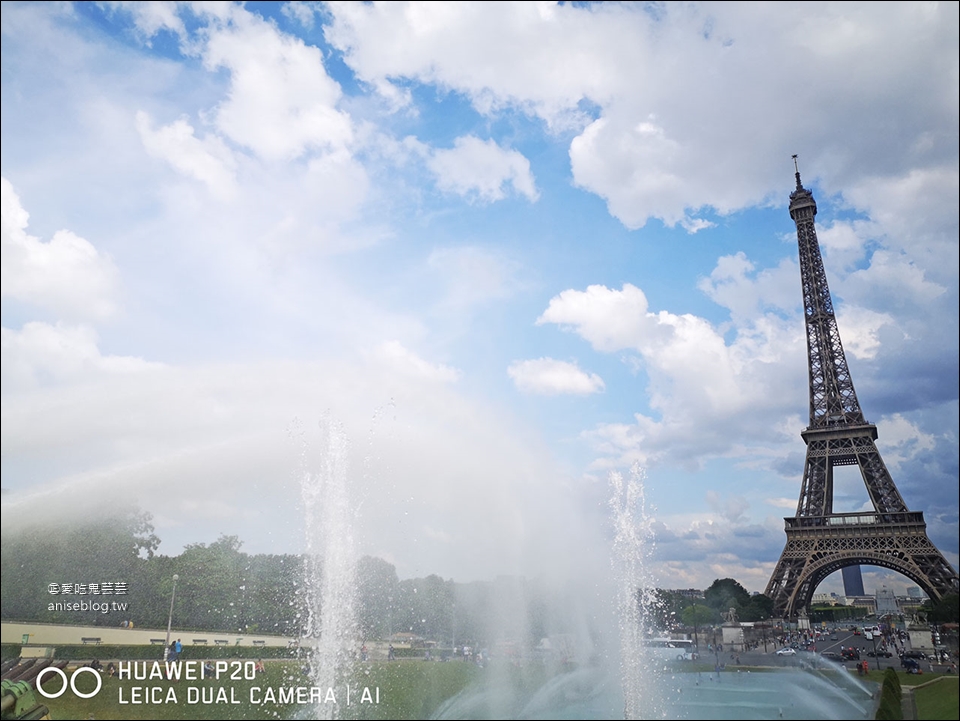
pixel 855 519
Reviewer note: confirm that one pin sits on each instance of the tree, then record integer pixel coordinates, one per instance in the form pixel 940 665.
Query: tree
pixel 726 593
pixel 109 551
pixel 211 589
pixel 697 615
pixel 758 608
pixel 378 596
pixel 946 610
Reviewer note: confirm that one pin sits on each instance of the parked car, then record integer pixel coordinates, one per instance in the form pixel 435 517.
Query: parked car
pixel 881 653
pixel 918 655
pixel 832 655
pixel 850 654
pixel 911 664
pixel 787 651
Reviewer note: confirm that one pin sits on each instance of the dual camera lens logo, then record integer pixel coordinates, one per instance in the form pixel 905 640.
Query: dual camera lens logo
pixel 72 682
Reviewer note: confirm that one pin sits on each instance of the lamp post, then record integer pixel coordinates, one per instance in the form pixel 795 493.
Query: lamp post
pixel 173 595
pixel 873 637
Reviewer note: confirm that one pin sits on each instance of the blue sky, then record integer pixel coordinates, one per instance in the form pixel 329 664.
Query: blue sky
pixel 511 248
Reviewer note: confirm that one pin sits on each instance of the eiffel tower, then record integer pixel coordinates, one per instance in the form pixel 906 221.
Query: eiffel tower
pixel 819 541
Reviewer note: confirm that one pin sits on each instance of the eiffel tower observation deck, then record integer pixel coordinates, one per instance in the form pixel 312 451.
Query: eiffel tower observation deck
pixel 819 541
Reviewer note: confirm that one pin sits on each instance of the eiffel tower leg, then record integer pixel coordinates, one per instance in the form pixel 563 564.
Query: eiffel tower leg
pixel 816 493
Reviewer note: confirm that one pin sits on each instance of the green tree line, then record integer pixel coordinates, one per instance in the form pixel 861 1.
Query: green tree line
pixel 222 588
pixel 722 595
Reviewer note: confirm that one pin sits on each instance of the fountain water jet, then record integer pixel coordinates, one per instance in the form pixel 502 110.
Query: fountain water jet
pixel 632 551
pixel 330 566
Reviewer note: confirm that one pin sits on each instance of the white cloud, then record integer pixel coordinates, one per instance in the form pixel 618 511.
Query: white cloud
pixel 789 503
pixel 301 12
pixel 44 354
pixel 902 440
pixel 548 376
pixel 208 160
pixel 894 277
pixel 481 169
pixel 695 225
pixel 406 361
pixel 731 508
pixel 734 285
pixel 66 275
pixel 281 102
pixel 844 243
pixel 914 212
pixel 608 319
pixel 860 330
pixel 152 17
pixel 707 391
pixel 537 56
pixel 683 106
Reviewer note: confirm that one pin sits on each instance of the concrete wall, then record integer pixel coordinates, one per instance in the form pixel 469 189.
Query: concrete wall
pixel 48 634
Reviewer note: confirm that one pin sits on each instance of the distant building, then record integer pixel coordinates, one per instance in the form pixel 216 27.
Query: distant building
pixel 915 592
pixel 868 603
pixel 886 601
pixel 852 581
pixel 909 605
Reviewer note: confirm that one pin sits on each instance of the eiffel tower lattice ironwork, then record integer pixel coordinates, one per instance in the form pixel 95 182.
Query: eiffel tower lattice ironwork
pixel 819 541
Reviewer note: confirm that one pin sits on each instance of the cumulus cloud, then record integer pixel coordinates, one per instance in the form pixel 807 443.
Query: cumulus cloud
pixel 734 284
pixel 647 148
pixel 701 386
pixel 861 330
pixel 66 275
pixel 894 277
pixel 914 212
pixel 449 44
pixel 281 102
pixel 150 18
pixel 481 169
pixel 207 160
pixel 608 319
pixel 547 376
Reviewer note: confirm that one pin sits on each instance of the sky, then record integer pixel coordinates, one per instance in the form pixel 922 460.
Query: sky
pixel 506 249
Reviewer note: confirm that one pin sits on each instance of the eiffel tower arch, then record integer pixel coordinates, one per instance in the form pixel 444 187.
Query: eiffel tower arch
pixel 819 541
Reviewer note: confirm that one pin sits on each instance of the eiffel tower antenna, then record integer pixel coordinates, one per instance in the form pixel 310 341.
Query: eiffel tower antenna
pixel 819 541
